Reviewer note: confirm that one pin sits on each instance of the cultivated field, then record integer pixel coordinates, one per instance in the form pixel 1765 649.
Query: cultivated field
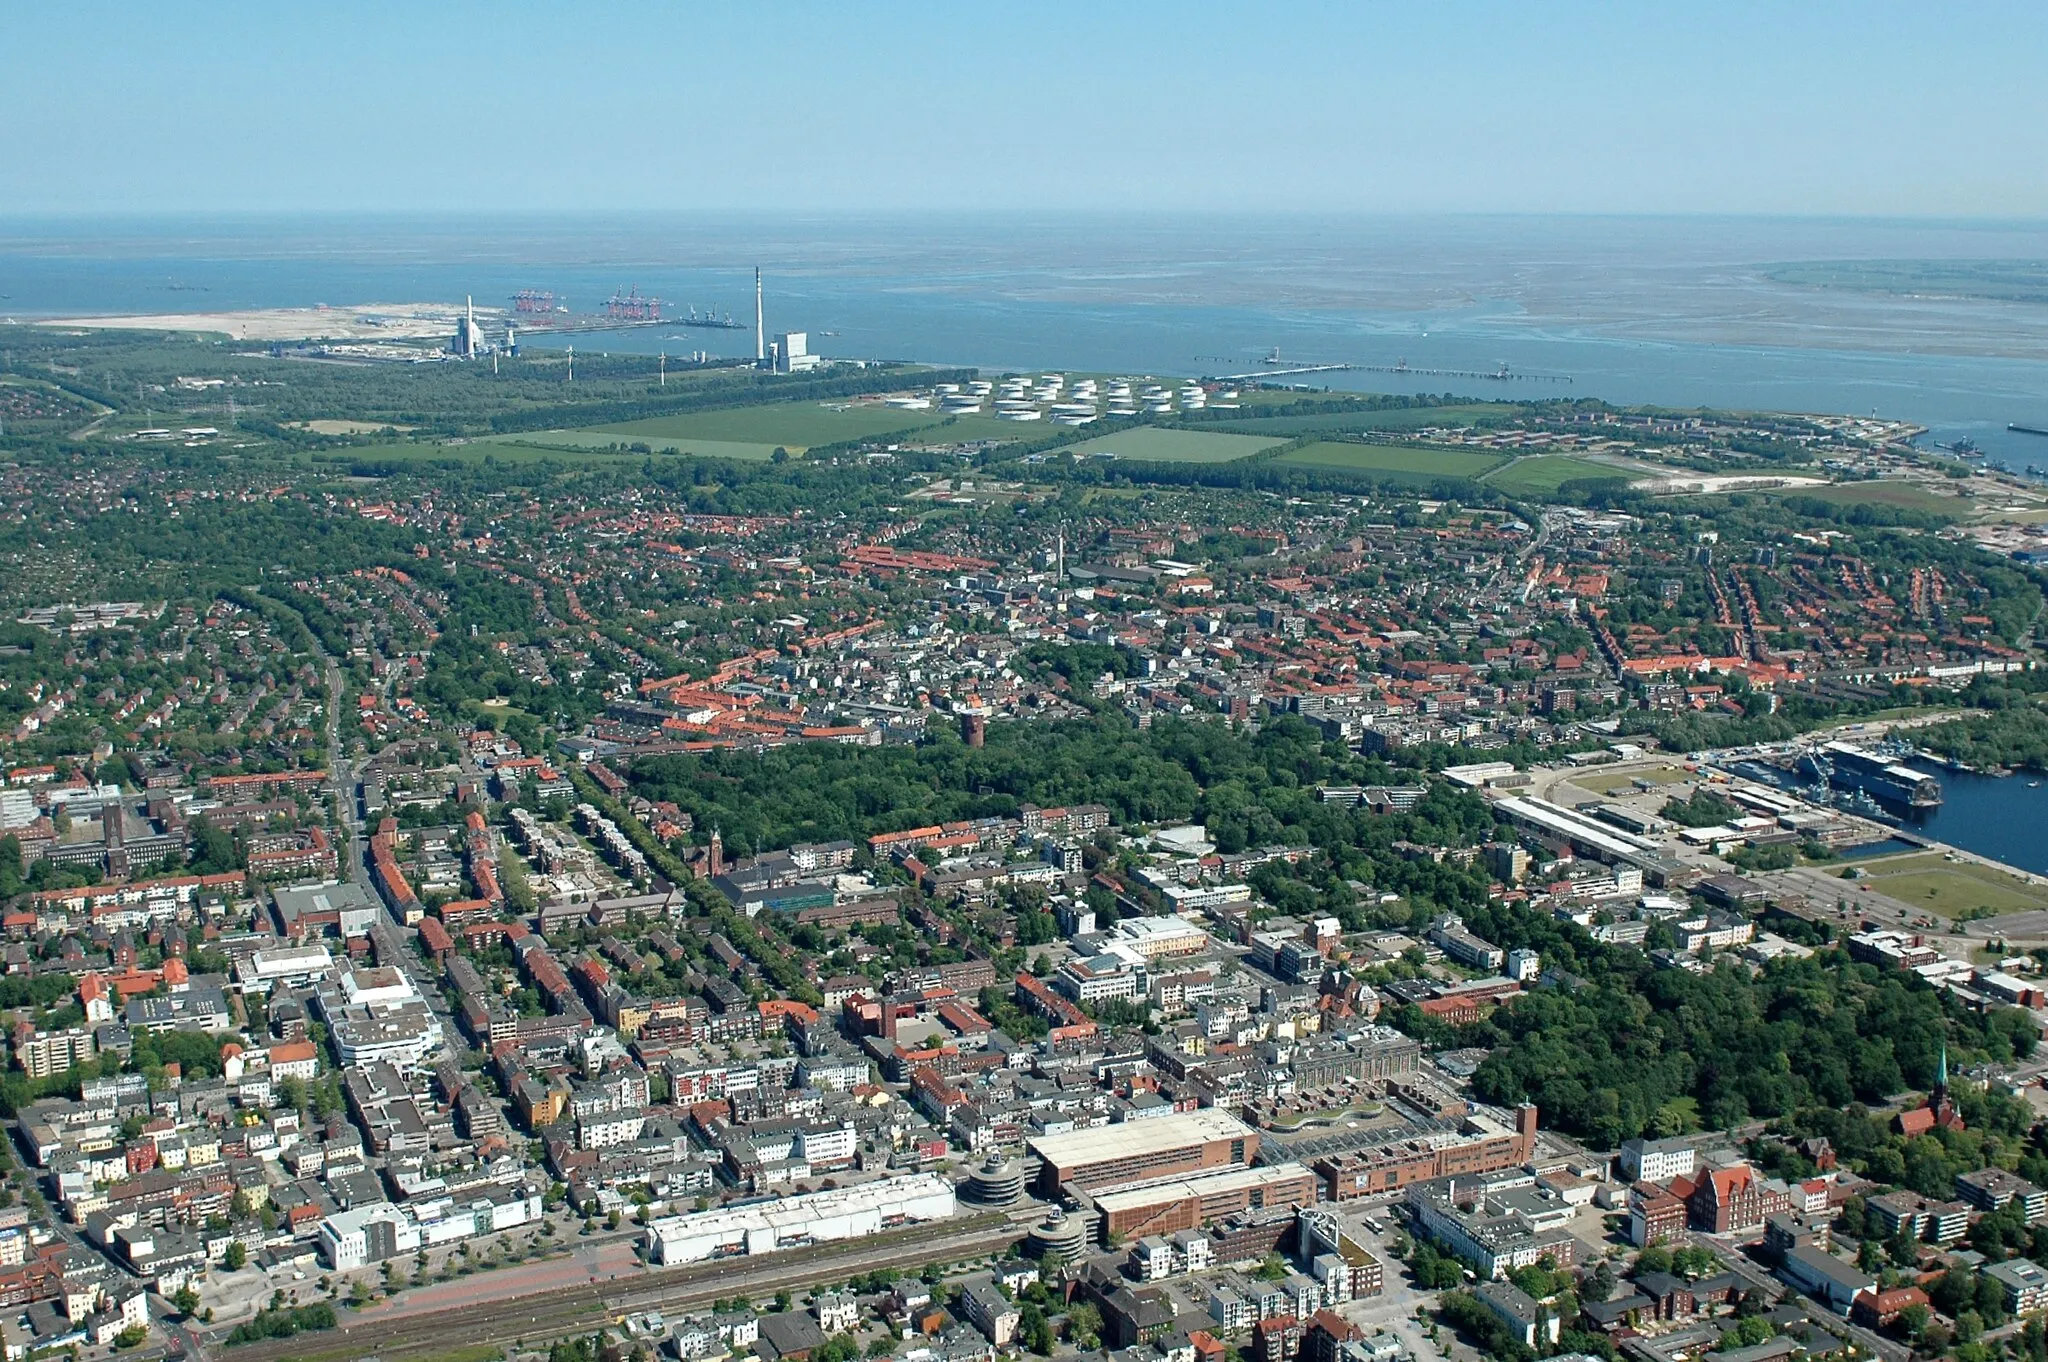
pixel 1151 444
pixel 1411 461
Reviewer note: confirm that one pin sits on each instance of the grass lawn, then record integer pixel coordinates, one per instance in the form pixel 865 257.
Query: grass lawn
pixel 796 426
pixel 1951 888
pixel 1607 782
pixel 1421 461
pixel 1151 444
pixel 1546 473
pixel 1908 496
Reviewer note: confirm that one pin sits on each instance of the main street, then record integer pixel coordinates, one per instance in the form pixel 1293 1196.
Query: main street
pixel 341 780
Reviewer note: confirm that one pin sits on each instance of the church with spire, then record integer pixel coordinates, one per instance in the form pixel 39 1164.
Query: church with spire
pixel 1938 1112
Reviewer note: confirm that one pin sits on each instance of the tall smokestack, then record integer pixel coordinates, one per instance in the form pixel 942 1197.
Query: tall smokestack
pixel 760 332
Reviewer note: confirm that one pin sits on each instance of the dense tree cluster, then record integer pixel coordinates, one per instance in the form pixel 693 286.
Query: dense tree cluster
pixel 1639 1050
pixel 1247 791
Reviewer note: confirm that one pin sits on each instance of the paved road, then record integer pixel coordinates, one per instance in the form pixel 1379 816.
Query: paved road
pixel 588 1263
pixel 341 776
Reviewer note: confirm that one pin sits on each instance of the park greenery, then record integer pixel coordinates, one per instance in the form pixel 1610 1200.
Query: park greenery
pixel 283 1322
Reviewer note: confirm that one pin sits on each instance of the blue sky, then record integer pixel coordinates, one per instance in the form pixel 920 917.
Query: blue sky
pixel 1812 107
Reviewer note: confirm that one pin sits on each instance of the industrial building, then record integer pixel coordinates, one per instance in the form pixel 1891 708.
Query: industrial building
pixel 792 353
pixel 789 1222
pixel 1167 1205
pixel 1107 1156
pixel 468 341
pixel 1568 825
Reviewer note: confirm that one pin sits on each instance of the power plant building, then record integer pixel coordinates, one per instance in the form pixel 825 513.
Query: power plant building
pixel 469 337
pixel 793 353
pixel 1131 1151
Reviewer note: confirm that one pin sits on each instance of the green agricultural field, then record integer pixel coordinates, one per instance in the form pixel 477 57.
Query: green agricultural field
pixel 796 426
pixel 1155 444
pixel 1545 473
pixel 1407 461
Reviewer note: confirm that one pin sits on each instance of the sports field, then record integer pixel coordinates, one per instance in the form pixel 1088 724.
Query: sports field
pixel 1951 888
pixel 1545 473
pixel 1151 444
pixel 1416 461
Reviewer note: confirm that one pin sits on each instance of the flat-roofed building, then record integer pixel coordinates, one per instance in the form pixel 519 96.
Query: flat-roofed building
pixel 1168 1205
pixel 2025 1285
pixel 1993 1189
pixel 766 1227
pixel 1108 1156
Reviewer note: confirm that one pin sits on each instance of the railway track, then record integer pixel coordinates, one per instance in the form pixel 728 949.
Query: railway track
pixel 580 1309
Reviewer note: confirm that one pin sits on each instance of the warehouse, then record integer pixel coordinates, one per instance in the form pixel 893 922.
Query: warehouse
pixel 767 1226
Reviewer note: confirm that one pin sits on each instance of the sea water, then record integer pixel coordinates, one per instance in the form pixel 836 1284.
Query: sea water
pixel 1679 312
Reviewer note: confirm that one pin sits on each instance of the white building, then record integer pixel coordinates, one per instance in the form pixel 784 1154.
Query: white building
pixel 821 1146
pixel 1659 1160
pixel 793 353
pixel 292 966
pixel 1152 937
pixel 17 809
pixel 1101 977
pixel 366 1235
pixel 602 1130
pixel 844 1213
pixel 836 1312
